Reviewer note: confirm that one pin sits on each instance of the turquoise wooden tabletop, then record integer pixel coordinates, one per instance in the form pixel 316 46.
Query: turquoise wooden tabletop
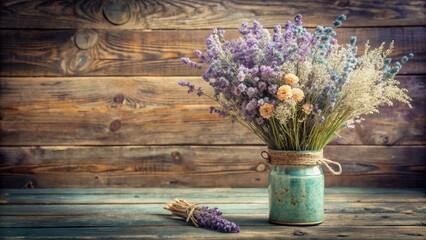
pixel 351 213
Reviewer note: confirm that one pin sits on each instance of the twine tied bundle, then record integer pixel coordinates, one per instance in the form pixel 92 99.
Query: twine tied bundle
pixel 183 209
pixel 302 158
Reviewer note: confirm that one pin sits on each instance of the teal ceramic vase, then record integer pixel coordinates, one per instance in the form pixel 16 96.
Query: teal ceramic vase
pixel 296 195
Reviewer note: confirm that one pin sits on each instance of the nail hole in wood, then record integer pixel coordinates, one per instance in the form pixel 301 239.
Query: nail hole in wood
pixel 176 155
pixel 119 98
pixel 115 125
pixel 117 12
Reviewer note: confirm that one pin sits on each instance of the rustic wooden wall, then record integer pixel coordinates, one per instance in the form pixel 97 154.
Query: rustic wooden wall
pixel 89 95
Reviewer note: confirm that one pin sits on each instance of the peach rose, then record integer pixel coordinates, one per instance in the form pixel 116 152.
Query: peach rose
pixel 284 92
pixel 266 110
pixel 307 108
pixel 291 79
pixel 298 94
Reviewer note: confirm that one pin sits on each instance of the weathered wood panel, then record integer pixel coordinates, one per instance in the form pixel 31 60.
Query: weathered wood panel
pixel 182 166
pixel 44 41
pixel 368 219
pixel 153 53
pixel 250 232
pixel 49 196
pixel 151 110
pixel 379 194
pixel 131 210
pixel 41 216
pixel 181 14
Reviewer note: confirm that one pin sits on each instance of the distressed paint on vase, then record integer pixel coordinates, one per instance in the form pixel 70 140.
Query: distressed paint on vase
pixel 296 195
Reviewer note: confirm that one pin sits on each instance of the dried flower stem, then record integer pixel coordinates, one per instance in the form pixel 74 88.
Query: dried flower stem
pixel 183 209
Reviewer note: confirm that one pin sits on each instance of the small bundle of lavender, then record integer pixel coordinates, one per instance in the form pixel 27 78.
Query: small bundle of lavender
pixel 202 216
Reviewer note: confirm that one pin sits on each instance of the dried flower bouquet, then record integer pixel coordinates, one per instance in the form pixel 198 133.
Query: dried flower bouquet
pixel 295 89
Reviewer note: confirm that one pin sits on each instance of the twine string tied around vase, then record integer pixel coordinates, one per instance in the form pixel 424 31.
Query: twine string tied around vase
pixel 302 158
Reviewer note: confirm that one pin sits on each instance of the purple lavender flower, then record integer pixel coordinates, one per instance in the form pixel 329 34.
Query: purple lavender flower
pixel 221 35
pixel 272 89
pixel 251 91
pixel 261 86
pixel 242 87
pixel 277 33
pixel 260 120
pixel 200 92
pixel 201 56
pixel 298 19
pixel 190 86
pixel 252 105
pixel 220 112
pixel 202 216
pixel 211 218
pixel 236 91
pixel 190 63
pixel 244 30
pixel 266 71
pixel 253 71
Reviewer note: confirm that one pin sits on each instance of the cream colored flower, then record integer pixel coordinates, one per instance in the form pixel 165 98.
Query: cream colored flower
pixel 284 92
pixel 307 108
pixel 298 94
pixel 291 79
pixel 266 110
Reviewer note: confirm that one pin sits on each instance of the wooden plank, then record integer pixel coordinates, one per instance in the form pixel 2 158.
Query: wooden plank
pixel 197 166
pixel 237 192
pixel 154 110
pixel 49 196
pixel 229 209
pixel 351 220
pixel 155 53
pixel 249 232
pixel 181 14
pixel 227 179
pixel 111 220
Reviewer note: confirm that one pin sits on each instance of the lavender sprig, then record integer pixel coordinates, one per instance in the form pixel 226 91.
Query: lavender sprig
pixel 202 216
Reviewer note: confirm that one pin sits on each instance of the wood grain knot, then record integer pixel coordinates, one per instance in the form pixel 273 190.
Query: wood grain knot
pixel 384 139
pixel 117 12
pixel 176 155
pixel 79 62
pixel 119 98
pixel 299 233
pixel 260 167
pixel 86 39
pixel 115 125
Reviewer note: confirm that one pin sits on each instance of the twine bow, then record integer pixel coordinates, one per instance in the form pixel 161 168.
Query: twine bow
pixel 302 158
